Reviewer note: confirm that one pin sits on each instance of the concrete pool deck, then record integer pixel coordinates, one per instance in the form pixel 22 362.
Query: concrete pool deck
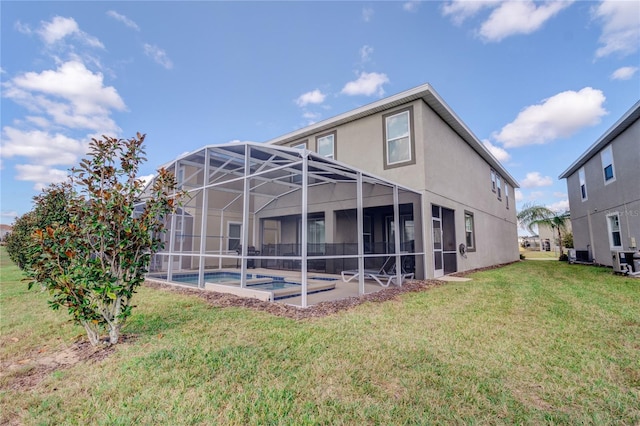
pixel 326 290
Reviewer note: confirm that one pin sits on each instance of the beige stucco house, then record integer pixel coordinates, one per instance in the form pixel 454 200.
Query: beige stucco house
pixel 604 192
pixel 400 188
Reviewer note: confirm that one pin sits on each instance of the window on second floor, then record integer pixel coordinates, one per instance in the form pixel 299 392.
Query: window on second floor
pixel 583 184
pixel 398 139
pixel 493 180
pixel 498 187
pixel 607 165
pixel 506 194
pixel 326 145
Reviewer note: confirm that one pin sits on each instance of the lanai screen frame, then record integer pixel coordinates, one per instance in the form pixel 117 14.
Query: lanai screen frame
pixel 272 166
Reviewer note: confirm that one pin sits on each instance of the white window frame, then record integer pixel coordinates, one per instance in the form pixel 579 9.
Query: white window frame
pixel 506 194
pixel 327 136
pixel 499 187
pixel 493 180
pixel 612 230
pixel 582 180
pixel 302 145
pixel 606 157
pixel 409 136
pixel 239 238
pixel 472 232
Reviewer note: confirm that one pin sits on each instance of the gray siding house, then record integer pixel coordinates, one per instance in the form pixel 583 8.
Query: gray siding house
pixel 415 139
pixel 604 192
pixel 396 189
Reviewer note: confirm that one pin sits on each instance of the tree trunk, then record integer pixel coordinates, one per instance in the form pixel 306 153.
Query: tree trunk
pixel 92 333
pixel 560 241
pixel 114 333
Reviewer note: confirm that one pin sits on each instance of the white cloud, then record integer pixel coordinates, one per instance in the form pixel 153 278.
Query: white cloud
pixel 620 27
pixel 559 206
pixel 60 28
pixel 367 14
pixel 41 147
pixel 460 10
pixel 365 53
pixel 22 28
pixel 311 115
pixel 624 73
pixel 519 17
pixel 313 97
pixel 12 214
pixel 41 175
pixel 559 116
pixel 560 194
pixel 519 196
pixel 121 18
pixel 367 84
pixel 536 180
pixel 500 154
pixel 411 6
pixel 71 95
pixel 158 55
pixel 507 17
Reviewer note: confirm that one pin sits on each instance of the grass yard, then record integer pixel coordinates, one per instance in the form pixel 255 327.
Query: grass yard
pixel 530 343
pixel 537 254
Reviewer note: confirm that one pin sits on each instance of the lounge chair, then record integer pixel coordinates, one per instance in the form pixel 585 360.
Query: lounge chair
pixel 382 276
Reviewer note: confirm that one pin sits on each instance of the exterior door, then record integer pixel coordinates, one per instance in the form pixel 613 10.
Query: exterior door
pixel 445 259
pixel 438 261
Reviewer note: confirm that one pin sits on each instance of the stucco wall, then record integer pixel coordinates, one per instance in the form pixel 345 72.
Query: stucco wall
pixel 589 217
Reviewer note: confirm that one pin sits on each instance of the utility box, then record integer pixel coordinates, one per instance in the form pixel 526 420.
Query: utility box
pixel 626 262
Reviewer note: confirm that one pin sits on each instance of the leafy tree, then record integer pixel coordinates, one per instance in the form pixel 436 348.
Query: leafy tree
pixel 93 263
pixel 50 209
pixel 534 215
pixel 567 240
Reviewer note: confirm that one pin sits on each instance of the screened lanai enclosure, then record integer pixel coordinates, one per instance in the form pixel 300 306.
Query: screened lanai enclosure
pixel 282 223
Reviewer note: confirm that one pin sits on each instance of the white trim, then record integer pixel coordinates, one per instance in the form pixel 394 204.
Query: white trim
pixel 582 180
pixel 610 230
pixel 608 151
pixel 407 136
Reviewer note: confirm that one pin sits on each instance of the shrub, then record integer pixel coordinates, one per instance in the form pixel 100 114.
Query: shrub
pixel 93 261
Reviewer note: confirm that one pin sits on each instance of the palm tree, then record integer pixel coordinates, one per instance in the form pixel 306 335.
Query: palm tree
pixel 533 215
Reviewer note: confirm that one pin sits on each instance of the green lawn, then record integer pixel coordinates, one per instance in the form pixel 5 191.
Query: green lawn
pixel 530 343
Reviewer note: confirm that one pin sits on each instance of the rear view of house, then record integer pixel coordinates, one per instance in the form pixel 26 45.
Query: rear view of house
pixel 604 193
pixel 396 189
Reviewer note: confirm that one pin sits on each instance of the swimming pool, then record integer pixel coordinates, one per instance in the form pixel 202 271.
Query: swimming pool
pixel 280 287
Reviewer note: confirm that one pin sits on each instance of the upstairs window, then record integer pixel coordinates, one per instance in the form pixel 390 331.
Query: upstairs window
pixel 583 184
pixel 398 139
pixel 506 193
pixel 327 145
pixel 493 180
pixel 469 231
pixel 607 165
pixel 498 187
pixel 301 145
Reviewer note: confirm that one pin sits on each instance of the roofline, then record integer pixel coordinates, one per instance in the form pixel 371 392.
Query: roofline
pixel 630 117
pixel 430 97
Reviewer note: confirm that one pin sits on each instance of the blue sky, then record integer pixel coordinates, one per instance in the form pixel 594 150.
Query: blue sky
pixel 537 82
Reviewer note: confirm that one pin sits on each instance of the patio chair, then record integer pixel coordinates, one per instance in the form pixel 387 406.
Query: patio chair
pixel 251 251
pixel 383 276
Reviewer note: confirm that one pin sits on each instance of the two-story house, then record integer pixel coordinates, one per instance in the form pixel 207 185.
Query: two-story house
pixel 401 181
pixel 604 192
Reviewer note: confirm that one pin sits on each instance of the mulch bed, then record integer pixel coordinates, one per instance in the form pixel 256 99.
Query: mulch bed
pixel 279 309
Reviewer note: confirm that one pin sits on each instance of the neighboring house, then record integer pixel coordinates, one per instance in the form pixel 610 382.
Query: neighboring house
pixel 548 237
pixel 604 192
pixel 402 178
pixel 4 230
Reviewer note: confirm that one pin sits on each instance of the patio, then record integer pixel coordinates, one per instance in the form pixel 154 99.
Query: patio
pixel 272 210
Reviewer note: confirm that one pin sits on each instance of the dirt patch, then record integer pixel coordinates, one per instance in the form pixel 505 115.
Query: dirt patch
pixel 28 372
pixel 319 310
